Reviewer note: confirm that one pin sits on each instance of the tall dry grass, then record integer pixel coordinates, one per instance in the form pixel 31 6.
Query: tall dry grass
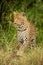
pixel 32 57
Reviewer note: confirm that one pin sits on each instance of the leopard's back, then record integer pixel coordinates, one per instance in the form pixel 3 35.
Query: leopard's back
pixel 32 35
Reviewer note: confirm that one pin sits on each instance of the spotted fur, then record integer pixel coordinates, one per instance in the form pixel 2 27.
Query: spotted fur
pixel 26 31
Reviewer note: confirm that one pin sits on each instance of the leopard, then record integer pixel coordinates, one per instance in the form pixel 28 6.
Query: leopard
pixel 26 32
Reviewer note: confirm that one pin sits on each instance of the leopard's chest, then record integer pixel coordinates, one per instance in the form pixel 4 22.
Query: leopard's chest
pixel 23 35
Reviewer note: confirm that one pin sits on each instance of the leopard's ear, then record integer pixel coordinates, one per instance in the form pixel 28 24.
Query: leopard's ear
pixel 14 13
pixel 23 13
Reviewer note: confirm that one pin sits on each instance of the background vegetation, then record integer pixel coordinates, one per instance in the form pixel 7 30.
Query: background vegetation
pixel 8 41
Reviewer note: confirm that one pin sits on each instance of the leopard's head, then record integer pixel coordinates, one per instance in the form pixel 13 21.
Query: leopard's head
pixel 19 19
